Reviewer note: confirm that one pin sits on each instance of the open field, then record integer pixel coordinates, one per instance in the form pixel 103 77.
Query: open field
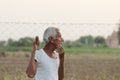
pixel 83 66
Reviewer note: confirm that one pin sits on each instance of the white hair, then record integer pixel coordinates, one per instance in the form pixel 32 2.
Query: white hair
pixel 49 32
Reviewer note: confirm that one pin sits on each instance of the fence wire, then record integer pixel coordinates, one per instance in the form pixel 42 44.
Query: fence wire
pixel 70 31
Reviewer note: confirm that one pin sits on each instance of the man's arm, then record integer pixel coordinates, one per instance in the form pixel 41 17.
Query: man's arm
pixel 61 67
pixel 61 52
pixel 32 67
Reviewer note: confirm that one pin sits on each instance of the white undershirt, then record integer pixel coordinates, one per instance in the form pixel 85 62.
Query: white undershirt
pixel 47 68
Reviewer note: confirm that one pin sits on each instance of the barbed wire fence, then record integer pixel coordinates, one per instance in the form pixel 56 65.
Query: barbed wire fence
pixel 70 31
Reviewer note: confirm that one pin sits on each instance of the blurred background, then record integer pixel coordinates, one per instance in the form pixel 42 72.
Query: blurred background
pixel 90 28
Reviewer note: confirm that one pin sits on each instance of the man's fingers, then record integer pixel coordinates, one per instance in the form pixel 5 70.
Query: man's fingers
pixel 60 50
pixel 37 41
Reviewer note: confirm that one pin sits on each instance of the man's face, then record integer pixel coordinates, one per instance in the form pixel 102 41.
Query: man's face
pixel 58 39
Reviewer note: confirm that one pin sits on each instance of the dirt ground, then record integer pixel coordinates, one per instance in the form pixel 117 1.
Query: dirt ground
pixel 77 66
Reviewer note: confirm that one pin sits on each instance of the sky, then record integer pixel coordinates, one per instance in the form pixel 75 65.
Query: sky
pixel 89 13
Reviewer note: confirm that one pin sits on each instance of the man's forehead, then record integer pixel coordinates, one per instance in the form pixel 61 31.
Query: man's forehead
pixel 57 30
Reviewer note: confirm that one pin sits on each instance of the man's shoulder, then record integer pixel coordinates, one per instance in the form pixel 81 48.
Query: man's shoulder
pixel 40 51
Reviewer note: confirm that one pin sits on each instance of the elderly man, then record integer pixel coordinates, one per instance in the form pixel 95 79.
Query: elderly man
pixel 47 63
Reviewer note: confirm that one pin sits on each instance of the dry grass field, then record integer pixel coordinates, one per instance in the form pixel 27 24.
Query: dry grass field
pixel 77 66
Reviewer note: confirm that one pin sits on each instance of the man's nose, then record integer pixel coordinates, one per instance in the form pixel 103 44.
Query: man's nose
pixel 62 39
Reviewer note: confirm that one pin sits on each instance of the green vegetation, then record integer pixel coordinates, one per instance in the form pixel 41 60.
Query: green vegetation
pixel 84 41
pixel 93 50
pixel 85 44
pixel 14 49
pixel 72 50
